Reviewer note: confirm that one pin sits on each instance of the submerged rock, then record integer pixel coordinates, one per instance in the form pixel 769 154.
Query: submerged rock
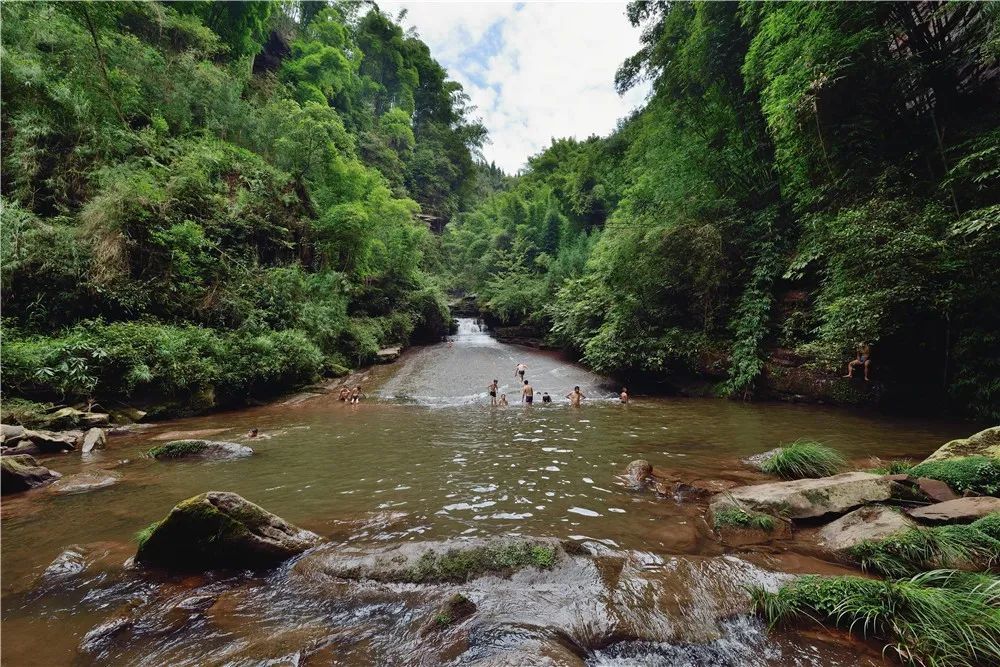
pixel 960 510
pixel 221 529
pixel 21 472
pixel 85 481
pixel 807 498
pixel 200 449
pixel 984 443
pixel 867 523
pixel 93 439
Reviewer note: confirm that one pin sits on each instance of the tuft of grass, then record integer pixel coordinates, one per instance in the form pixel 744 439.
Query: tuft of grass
pixel 896 467
pixel 735 517
pixel 919 549
pixel 934 619
pixel 458 565
pixel 176 449
pixel 989 524
pixel 443 620
pixel 804 458
pixel 980 474
pixel 143 535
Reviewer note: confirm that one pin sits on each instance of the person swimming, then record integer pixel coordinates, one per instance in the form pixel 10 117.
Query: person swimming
pixel 575 396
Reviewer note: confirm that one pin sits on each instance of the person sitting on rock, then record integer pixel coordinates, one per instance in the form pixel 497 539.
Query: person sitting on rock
pixel 863 358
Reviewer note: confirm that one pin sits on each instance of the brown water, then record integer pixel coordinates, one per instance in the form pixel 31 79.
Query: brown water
pixel 425 457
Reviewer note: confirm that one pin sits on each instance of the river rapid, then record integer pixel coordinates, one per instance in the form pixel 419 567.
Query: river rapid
pixel 425 457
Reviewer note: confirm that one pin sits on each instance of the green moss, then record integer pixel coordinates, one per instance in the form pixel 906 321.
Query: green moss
pixel 919 549
pixel 735 517
pixel 143 535
pixel 804 458
pixel 25 413
pixel 443 620
pixel 177 449
pixel 936 618
pixel 457 565
pixel 980 474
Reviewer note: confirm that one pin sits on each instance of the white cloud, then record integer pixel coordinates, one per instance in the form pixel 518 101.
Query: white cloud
pixel 535 71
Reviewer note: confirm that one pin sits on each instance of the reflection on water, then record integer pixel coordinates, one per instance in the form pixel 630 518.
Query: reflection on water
pixel 425 458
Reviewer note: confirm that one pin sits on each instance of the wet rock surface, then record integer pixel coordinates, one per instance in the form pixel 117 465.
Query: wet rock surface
pixel 218 529
pixel 960 510
pixel 93 439
pixel 809 498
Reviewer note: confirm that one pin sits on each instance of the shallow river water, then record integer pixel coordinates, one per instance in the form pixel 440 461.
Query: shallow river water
pixel 425 457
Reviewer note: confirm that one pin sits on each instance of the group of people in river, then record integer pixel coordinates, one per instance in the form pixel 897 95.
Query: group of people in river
pixel 575 397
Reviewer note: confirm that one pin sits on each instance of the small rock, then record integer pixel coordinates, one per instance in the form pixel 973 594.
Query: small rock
pixel 95 438
pixel 387 355
pixel 935 489
pixel 960 510
pixel 21 472
pixel 85 481
pixel 639 471
pixel 874 522
pixel 757 461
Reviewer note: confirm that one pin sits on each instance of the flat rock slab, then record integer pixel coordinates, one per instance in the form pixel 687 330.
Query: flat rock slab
pixel 961 510
pixel 935 489
pixel 206 450
pixel 85 481
pixel 863 524
pixel 808 498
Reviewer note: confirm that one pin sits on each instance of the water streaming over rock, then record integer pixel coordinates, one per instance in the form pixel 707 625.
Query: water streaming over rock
pixel 426 458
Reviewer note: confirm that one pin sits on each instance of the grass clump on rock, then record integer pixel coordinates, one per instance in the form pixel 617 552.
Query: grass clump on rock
pixel 804 458
pixel 980 474
pixel 459 565
pixel 937 618
pixel 735 517
pixel 919 549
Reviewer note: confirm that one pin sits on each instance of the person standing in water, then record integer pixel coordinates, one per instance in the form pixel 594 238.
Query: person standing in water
pixel 519 370
pixel 493 392
pixel 575 396
pixel 527 394
pixel 623 397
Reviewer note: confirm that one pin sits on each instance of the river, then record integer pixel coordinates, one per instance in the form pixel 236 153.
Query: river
pixel 424 457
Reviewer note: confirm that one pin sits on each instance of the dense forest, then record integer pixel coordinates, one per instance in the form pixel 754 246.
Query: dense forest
pixel 804 177
pixel 205 203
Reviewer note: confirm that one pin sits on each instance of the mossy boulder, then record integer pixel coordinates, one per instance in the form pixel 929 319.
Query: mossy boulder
pixel 21 472
pixel 985 443
pixel 199 449
pixel 219 529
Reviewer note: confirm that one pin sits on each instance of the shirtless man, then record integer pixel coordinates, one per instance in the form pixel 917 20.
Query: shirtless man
pixel 864 358
pixel 493 392
pixel 575 396
pixel 623 397
pixel 519 370
pixel 528 393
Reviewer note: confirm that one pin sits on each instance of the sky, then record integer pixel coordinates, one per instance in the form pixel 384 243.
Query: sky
pixel 535 70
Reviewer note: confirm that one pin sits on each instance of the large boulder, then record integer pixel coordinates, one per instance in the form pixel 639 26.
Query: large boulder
pixel 70 417
pixel 21 472
pixel 221 529
pixel 12 432
pixel 960 510
pixel 808 498
pixel 85 481
pixel 984 443
pixel 93 439
pixel 875 522
pixel 200 449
